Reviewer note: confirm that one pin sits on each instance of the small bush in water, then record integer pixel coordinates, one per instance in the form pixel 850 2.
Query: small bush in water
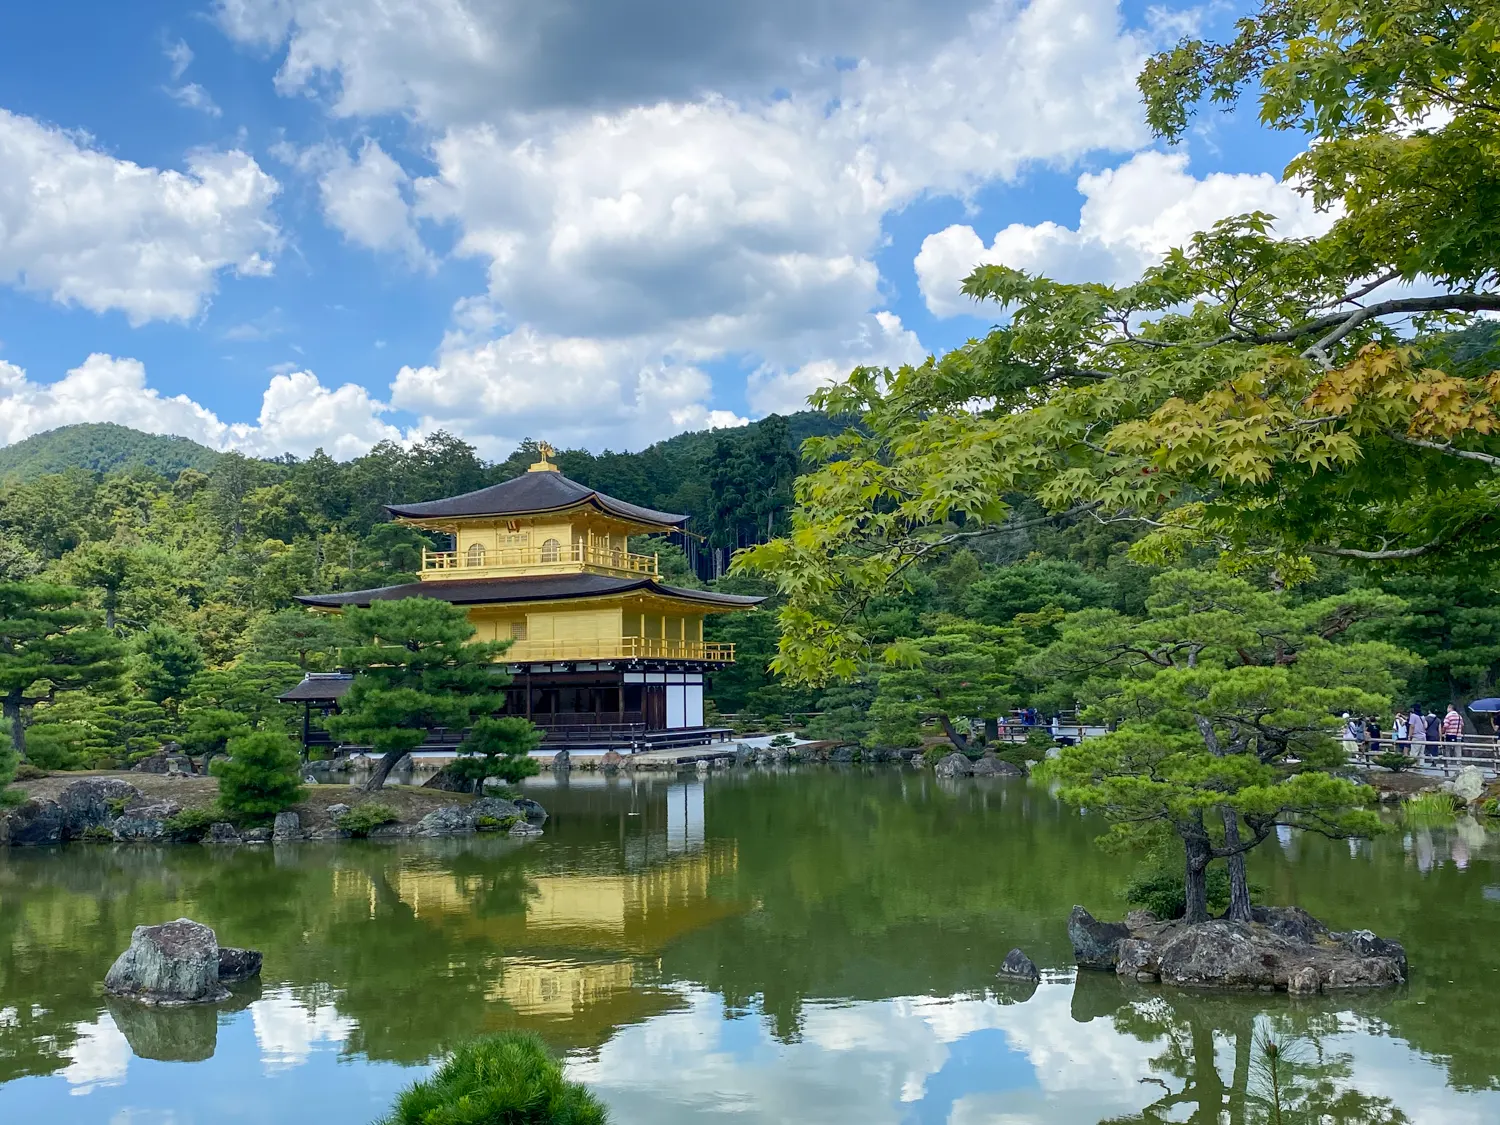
pixel 507 1079
pixel 359 820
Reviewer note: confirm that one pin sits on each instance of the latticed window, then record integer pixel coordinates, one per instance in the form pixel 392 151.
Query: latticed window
pixel 551 551
pixel 475 554
pixel 518 630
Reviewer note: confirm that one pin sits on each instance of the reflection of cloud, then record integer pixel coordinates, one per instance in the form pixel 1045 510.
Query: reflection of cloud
pixel 101 1056
pixel 288 1030
pixel 889 1061
pixel 1390 1068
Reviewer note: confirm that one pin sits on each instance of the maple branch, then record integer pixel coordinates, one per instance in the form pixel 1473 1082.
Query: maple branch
pixel 1348 322
pixel 1375 556
pixel 1365 290
pixel 1448 448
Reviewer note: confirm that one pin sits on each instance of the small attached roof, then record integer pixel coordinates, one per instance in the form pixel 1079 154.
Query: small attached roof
pixel 318 687
pixel 537 588
pixel 531 493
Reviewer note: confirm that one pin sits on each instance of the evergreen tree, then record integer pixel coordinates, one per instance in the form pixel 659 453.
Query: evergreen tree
pixel 48 644
pixel 260 778
pixel 9 759
pixel 961 671
pixel 1224 702
pixel 416 667
pixel 164 665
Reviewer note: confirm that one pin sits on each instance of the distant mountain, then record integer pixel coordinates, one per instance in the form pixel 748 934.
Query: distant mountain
pixel 100 447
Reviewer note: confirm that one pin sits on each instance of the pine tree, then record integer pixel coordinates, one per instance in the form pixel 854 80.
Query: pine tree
pixel 48 644
pixel 416 667
pixel 260 777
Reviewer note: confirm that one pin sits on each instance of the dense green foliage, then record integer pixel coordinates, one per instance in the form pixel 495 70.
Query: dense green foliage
pixel 417 667
pixel 506 1079
pixel 260 778
pixel 9 760
pixel 191 566
pixel 102 447
pixel 48 645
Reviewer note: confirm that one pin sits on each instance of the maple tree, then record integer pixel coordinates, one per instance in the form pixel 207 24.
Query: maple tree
pixel 1268 400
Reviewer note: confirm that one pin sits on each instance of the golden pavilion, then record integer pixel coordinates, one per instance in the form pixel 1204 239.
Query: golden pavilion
pixel 603 654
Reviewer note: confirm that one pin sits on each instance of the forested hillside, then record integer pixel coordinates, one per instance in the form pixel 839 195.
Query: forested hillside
pixel 101 447
pixel 193 562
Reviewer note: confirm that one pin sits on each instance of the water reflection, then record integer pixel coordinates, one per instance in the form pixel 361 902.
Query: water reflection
pixel 811 947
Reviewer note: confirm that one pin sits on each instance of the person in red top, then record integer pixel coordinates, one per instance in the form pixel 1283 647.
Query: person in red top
pixel 1453 725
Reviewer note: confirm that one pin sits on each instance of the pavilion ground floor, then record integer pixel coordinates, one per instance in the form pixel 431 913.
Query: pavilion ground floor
pixel 621 705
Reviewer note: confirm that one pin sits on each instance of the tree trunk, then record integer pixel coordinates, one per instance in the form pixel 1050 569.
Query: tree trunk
pixel 954 737
pixel 12 708
pixel 1195 877
pixel 383 770
pixel 1239 885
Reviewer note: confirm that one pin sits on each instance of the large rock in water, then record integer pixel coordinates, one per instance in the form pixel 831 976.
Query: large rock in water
pixel 1283 948
pixel 237 965
pixel 1096 944
pixel 1018 966
pixel 954 765
pixel 173 963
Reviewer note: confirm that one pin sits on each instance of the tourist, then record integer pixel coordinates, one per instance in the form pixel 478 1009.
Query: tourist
pixel 1401 733
pixel 1354 734
pixel 1453 725
pixel 1416 724
pixel 1372 732
pixel 1434 732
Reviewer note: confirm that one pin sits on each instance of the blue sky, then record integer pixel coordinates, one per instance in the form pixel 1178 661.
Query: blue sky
pixel 284 224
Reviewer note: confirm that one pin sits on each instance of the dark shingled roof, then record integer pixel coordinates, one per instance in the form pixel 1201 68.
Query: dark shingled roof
pixel 481 591
pixel 533 492
pixel 318 687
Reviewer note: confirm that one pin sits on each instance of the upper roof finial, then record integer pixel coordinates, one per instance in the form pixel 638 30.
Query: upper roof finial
pixel 544 466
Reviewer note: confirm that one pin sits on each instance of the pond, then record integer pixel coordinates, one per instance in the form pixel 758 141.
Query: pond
pixel 811 946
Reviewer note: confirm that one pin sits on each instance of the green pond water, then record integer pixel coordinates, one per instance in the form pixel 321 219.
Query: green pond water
pixel 814 946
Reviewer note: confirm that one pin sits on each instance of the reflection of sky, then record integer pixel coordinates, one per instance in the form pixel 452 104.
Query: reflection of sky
pixel 961 1060
pixel 288 1031
pixel 905 1061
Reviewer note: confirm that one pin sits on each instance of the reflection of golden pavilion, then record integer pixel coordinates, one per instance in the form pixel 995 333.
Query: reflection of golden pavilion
pixel 631 912
pixel 559 989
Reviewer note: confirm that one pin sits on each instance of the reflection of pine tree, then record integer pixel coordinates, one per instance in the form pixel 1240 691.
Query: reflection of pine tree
pixel 1281 1073
pixel 1294 1082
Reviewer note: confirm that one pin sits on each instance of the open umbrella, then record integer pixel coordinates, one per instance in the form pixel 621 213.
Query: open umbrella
pixel 1488 706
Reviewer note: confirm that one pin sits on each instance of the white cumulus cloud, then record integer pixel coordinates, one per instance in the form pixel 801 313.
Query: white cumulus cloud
pixel 1131 215
pixel 364 197
pixel 570 390
pixel 92 230
pixel 298 414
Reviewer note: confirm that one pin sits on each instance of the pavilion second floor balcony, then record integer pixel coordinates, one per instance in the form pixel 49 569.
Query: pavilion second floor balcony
pixel 552 557
pixel 625 648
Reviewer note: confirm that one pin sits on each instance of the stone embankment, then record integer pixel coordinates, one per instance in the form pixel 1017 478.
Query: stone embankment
pixel 1285 949
pixel 142 810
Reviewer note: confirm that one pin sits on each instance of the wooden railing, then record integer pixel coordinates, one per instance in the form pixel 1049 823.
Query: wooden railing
pixel 626 648
pixel 526 560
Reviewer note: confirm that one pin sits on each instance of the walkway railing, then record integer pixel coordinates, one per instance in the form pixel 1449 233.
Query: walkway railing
pixel 626 648
pixel 489 563
pixel 1479 750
